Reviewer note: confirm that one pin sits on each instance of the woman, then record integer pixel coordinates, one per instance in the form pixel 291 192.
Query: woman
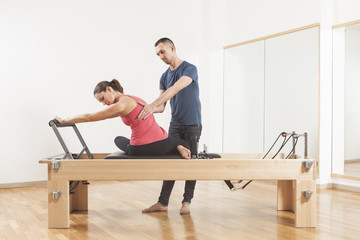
pixel 147 137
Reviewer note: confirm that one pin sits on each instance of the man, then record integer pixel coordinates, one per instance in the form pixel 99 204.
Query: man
pixel 179 84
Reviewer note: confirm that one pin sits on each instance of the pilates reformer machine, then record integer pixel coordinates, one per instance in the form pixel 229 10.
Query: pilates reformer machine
pixel 68 175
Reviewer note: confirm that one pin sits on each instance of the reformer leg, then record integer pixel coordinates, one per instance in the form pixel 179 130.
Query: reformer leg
pixel 305 208
pixel 292 198
pixel 58 202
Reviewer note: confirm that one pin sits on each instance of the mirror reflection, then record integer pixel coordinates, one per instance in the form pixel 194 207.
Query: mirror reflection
pixel 352 101
pixel 271 86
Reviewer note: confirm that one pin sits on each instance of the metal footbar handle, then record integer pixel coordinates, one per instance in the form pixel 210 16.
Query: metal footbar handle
pixel 57 124
pixel 54 124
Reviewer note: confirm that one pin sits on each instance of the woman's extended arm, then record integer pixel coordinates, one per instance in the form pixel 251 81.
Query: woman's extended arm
pixel 117 109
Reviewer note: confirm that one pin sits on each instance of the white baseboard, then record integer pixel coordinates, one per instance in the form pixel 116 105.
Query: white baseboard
pixel 324 186
pixel 23 184
pixel 346 187
pixel 346 183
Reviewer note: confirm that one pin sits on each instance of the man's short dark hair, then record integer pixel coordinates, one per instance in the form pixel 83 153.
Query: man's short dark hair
pixel 164 40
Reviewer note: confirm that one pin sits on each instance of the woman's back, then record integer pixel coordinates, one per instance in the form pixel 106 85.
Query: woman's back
pixel 142 131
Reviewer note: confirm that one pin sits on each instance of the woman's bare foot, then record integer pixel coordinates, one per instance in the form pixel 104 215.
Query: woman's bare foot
pixel 185 209
pixel 157 207
pixel 185 153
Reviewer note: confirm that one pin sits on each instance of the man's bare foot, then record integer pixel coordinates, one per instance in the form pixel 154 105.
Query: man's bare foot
pixel 185 209
pixel 185 153
pixel 157 207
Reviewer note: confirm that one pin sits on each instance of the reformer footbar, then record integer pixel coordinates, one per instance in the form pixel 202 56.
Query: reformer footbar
pixel 54 124
pixel 292 135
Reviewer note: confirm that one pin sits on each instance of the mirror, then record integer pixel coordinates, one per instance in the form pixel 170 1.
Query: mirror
pixel 271 86
pixel 244 98
pixel 346 81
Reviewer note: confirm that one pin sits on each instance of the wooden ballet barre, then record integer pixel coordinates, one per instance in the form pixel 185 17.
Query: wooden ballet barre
pixel 296 179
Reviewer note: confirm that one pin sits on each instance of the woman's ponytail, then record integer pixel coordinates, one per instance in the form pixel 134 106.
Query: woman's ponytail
pixel 114 84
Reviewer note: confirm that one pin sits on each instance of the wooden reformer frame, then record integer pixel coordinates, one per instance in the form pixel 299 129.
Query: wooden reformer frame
pixel 296 185
pixel 296 178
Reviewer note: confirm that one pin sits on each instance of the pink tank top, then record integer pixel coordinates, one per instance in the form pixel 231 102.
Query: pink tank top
pixel 144 131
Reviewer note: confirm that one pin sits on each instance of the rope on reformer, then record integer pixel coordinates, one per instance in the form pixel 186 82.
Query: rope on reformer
pixel 286 139
pixel 293 149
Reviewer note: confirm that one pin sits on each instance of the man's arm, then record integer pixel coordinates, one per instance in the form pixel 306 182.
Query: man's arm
pixel 161 107
pixel 159 104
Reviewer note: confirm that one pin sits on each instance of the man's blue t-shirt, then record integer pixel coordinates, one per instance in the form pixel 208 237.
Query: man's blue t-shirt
pixel 185 105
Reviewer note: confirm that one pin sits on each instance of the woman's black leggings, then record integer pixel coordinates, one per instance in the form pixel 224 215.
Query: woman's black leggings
pixel 165 146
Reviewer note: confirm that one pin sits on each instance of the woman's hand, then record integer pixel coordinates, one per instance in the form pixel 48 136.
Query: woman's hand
pixel 59 119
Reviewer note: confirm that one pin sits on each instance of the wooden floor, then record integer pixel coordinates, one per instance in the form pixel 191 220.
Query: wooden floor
pixel 115 213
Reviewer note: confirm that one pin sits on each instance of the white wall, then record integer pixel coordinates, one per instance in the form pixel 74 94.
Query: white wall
pixel 345 11
pixel 246 20
pixel 52 54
